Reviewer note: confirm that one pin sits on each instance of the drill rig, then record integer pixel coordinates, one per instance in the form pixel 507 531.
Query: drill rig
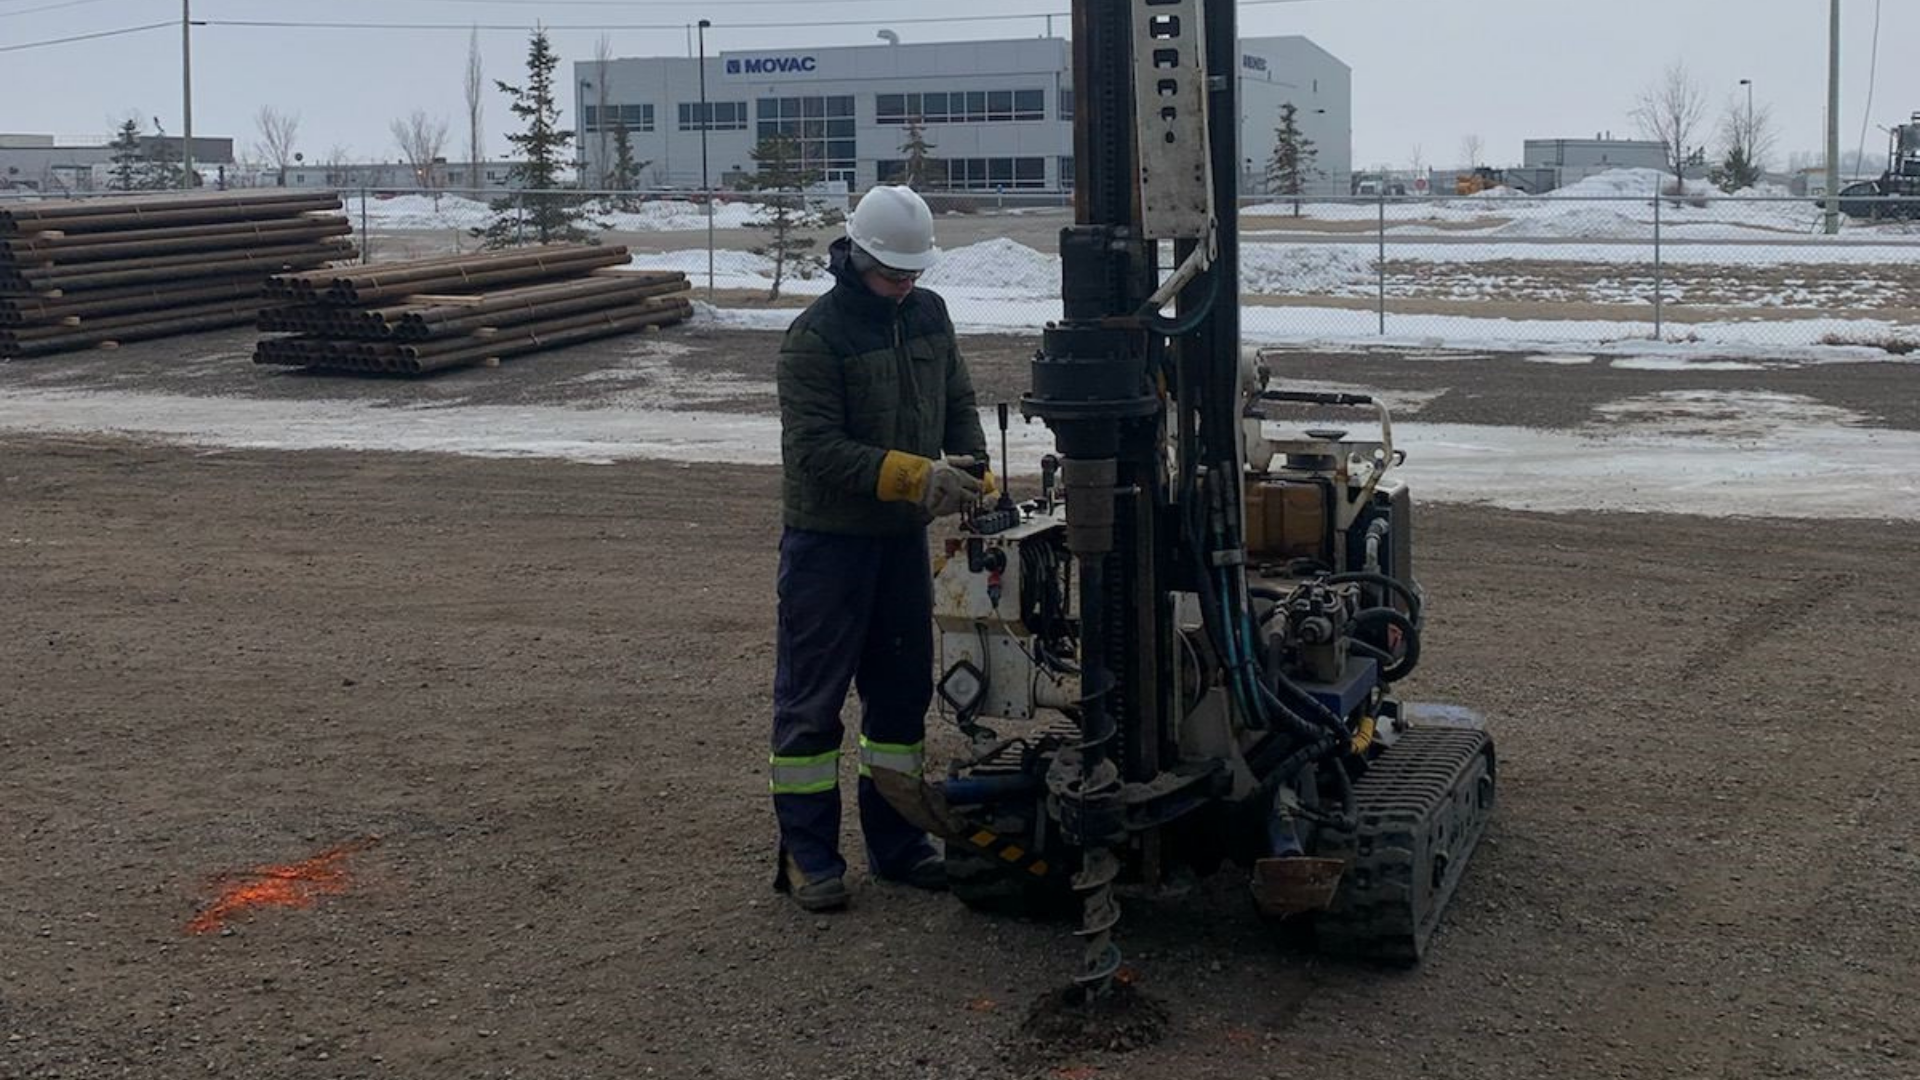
pixel 1896 194
pixel 1183 652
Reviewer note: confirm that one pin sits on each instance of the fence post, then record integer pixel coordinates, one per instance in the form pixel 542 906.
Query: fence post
pixel 1380 265
pixel 1659 279
pixel 366 238
pixel 706 196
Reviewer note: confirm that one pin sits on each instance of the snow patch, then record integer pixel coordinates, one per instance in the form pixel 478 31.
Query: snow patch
pixel 1695 452
pixel 1739 415
pixel 1681 363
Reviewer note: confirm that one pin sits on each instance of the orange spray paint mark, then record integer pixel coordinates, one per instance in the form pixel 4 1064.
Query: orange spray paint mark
pixel 294 885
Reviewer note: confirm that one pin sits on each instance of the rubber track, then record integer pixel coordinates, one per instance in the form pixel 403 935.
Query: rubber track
pixel 1422 808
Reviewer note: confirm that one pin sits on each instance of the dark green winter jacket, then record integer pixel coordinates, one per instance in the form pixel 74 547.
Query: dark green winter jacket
pixel 861 375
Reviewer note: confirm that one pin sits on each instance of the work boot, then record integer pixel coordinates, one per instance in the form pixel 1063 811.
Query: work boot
pixel 929 873
pixel 827 894
pixel 812 894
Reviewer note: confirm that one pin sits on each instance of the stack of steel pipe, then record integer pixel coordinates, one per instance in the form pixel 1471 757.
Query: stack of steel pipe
pixel 416 317
pixel 88 272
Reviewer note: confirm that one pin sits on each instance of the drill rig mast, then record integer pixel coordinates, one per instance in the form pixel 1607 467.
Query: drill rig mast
pixel 1214 638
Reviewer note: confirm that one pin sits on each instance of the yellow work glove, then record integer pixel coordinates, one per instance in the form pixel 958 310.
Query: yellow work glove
pixel 939 487
pixel 989 485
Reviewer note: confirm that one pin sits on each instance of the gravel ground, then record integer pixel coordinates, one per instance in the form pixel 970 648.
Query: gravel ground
pixel 526 702
pixel 544 688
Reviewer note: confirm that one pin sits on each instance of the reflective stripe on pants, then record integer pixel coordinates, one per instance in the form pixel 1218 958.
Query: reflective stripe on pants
pixel 900 757
pixel 807 775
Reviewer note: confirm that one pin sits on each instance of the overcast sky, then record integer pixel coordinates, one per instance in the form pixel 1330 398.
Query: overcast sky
pixel 1425 72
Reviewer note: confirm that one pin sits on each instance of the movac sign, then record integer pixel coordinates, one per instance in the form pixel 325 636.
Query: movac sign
pixel 771 65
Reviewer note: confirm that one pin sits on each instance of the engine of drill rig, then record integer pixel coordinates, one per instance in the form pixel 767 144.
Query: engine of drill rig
pixel 1337 616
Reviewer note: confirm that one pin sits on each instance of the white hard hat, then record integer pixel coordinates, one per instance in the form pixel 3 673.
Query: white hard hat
pixel 893 225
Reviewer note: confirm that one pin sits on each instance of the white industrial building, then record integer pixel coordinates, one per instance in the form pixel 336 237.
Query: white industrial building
pixel 997 114
pixel 1573 160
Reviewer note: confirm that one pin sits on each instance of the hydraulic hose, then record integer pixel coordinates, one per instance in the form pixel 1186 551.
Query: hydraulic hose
pixel 1187 322
pixel 1392 669
pixel 1368 577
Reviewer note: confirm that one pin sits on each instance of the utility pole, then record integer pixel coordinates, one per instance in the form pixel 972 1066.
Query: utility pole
pixel 1833 121
pixel 186 94
pixel 706 121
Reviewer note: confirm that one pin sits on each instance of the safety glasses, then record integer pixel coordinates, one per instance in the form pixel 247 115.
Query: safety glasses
pixel 890 274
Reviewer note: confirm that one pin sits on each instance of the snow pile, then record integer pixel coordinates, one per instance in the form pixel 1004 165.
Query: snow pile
pixel 1307 269
pixel 1618 183
pixel 991 271
pixel 421 212
pixel 1618 204
pixel 1000 266
pixel 672 215
pixel 736 270
pixel 461 212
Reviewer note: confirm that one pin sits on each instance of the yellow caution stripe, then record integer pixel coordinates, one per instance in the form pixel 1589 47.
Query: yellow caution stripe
pixel 1008 851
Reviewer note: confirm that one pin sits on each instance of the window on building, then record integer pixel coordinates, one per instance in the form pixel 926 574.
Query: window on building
pixel 821 126
pixel 721 116
pixel 1066 103
pixel 973 174
pixel 960 107
pixel 1066 173
pixel 636 117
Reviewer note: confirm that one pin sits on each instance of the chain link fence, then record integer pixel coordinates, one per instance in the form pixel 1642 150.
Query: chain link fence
pixel 1597 263
pixel 1486 271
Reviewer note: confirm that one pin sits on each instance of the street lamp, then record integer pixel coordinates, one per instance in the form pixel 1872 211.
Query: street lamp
pixel 1748 83
pixel 599 121
pixel 706 121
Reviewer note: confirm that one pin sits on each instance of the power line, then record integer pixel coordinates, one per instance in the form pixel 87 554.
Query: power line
pixel 803 24
pixel 1873 76
pixel 54 7
pixel 87 37
pixel 681 4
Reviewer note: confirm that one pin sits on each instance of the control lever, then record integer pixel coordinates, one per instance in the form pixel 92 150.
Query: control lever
pixel 1315 397
pixel 1006 470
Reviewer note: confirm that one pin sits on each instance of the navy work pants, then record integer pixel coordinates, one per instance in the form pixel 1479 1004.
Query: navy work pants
pixel 853 610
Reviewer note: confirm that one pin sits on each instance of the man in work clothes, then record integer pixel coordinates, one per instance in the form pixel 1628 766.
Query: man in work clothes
pixel 873 392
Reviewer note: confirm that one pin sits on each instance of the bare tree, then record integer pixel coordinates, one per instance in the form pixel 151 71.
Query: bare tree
pixel 476 88
pixel 1417 165
pixel 421 139
pixel 278 132
pixel 602 55
pixel 1670 112
pixel 338 164
pixel 1747 140
pixel 1473 150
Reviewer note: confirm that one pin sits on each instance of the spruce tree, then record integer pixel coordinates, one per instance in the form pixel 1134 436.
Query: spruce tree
pixel 625 177
pixel 923 170
pixel 1735 171
pixel 780 178
pixel 1291 166
pixel 538 211
pixel 164 169
pixel 129 161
